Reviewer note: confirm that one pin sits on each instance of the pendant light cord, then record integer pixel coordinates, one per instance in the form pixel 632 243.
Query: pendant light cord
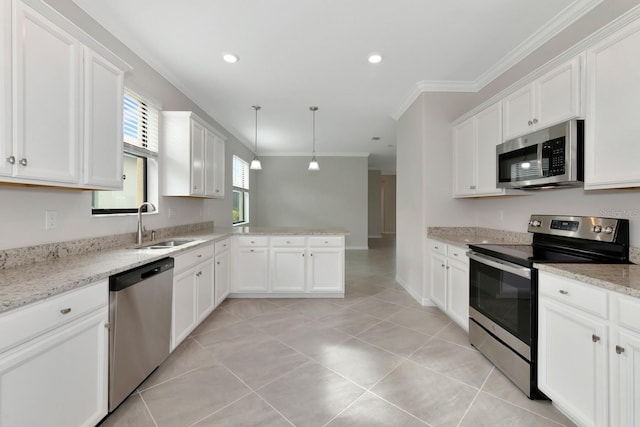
pixel 256 108
pixel 314 109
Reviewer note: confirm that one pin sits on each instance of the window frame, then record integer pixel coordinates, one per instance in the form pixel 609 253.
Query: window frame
pixel 242 190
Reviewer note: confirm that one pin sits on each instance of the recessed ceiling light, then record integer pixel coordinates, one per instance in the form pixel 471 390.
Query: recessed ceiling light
pixel 375 58
pixel 230 58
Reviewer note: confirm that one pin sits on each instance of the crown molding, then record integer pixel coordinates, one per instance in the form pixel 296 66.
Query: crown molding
pixel 308 154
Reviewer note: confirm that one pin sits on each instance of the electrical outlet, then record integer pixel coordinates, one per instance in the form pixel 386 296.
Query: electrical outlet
pixel 50 220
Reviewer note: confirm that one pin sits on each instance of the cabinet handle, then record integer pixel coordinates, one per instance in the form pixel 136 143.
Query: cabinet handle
pixel 326 243
pixel 529 122
pixel 311 254
pixel 11 160
pixel 472 187
pixel 563 292
pixel 23 161
pixel 199 255
pixel 442 265
pixel 288 242
pixel 252 241
pixel 455 254
pixel 251 250
pixel 448 267
pixel 535 121
pixel 619 349
pixel 595 338
pixel 218 263
pixel 435 247
pixel 302 253
pixel 65 311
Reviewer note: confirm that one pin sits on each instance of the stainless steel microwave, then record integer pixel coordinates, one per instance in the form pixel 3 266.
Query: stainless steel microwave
pixel 551 157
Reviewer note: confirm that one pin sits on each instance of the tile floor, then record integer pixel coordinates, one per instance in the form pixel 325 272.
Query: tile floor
pixel 374 358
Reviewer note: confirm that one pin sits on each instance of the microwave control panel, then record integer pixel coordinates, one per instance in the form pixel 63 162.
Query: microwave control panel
pixel 553 157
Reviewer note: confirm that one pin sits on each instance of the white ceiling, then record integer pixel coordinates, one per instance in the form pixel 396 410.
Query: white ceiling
pixel 298 53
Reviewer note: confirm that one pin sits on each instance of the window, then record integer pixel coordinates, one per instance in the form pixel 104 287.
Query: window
pixel 240 191
pixel 140 128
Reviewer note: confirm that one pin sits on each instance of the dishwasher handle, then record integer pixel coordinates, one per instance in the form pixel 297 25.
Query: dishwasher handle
pixel 123 280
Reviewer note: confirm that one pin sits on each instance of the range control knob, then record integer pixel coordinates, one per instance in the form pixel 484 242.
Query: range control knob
pixel 535 223
pixel 597 229
pixel 608 229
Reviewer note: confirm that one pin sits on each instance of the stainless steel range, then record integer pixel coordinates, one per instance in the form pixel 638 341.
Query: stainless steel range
pixel 503 286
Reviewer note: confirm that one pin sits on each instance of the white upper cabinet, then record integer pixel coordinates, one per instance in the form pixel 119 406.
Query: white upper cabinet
pixel 551 99
pixel 192 155
pixel 612 128
pixel 61 107
pixel 6 141
pixel 47 101
pixel 474 154
pixel 103 98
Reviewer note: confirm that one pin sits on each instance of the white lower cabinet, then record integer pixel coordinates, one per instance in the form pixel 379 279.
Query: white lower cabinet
pixel 193 291
pixel 589 351
pixel 54 360
pixel 449 284
pixel 293 265
pixel 222 270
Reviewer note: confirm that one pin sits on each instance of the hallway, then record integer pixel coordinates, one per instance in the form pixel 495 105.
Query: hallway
pixel 374 358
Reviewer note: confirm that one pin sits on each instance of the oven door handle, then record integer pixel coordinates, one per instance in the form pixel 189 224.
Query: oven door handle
pixel 509 267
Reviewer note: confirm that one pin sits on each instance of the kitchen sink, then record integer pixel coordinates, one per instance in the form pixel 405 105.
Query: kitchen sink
pixel 168 244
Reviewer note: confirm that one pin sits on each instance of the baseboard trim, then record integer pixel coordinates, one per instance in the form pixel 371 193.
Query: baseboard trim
pixel 410 290
pixel 377 236
pixel 357 248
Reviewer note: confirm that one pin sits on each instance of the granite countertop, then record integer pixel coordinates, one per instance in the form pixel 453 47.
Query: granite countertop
pixel 463 236
pixel 25 284
pixel 622 278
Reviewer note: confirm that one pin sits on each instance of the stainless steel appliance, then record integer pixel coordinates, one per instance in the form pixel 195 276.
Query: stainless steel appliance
pixel 550 157
pixel 140 325
pixel 503 286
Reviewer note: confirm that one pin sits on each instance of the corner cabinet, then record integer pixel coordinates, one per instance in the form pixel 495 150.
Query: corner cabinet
pixel 612 128
pixel 194 156
pixel 66 105
pixel 449 287
pixel 589 351
pixel 474 154
pixel 54 360
pixel 550 99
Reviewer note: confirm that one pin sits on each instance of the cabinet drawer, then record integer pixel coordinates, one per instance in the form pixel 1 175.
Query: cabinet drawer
pixel 588 298
pixel 222 245
pixel 250 241
pixel 191 258
pixel 438 247
pixel 32 320
pixel 457 253
pixel 628 312
pixel 288 241
pixel 326 241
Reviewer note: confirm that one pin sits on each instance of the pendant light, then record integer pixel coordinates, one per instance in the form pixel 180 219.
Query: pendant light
pixel 255 163
pixel 313 164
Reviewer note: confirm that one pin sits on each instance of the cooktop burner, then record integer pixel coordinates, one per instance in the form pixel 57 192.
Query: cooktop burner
pixel 526 255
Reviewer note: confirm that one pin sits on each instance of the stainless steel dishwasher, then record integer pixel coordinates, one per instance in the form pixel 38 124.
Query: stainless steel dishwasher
pixel 140 325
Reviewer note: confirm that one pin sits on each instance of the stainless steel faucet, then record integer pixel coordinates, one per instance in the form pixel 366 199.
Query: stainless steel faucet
pixel 153 208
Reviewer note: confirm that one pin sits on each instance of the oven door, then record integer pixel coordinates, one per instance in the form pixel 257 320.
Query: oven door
pixel 502 300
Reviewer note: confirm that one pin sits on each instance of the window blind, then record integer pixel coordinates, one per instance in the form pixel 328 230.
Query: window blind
pixel 140 124
pixel 240 173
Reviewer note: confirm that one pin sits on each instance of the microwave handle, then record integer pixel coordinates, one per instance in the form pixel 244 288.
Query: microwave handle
pixel 501 265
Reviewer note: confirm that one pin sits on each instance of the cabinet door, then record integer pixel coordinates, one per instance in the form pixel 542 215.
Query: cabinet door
pixel 557 94
pixel 46 101
pixel 6 139
pixel 625 354
pixel 209 164
pixel 197 158
pixel 221 276
pixel 252 270
pixel 464 159
pixel 184 307
pixel 58 379
pixel 326 270
pixel 488 135
pixel 612 128
pixel 572 362
pixel 288 269
pixel 206 289
pixel 103 97
pixel 438 280
pixel 219 168
pixel 518 113
pixel 458 293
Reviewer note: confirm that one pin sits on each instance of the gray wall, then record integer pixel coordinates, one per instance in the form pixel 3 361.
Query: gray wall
pixel 375 206
pixel 388 184
pixel 336 195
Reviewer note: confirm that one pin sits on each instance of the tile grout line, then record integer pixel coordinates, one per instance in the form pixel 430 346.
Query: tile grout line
pixel 522 407
pixel 475 397
pixel 144 402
